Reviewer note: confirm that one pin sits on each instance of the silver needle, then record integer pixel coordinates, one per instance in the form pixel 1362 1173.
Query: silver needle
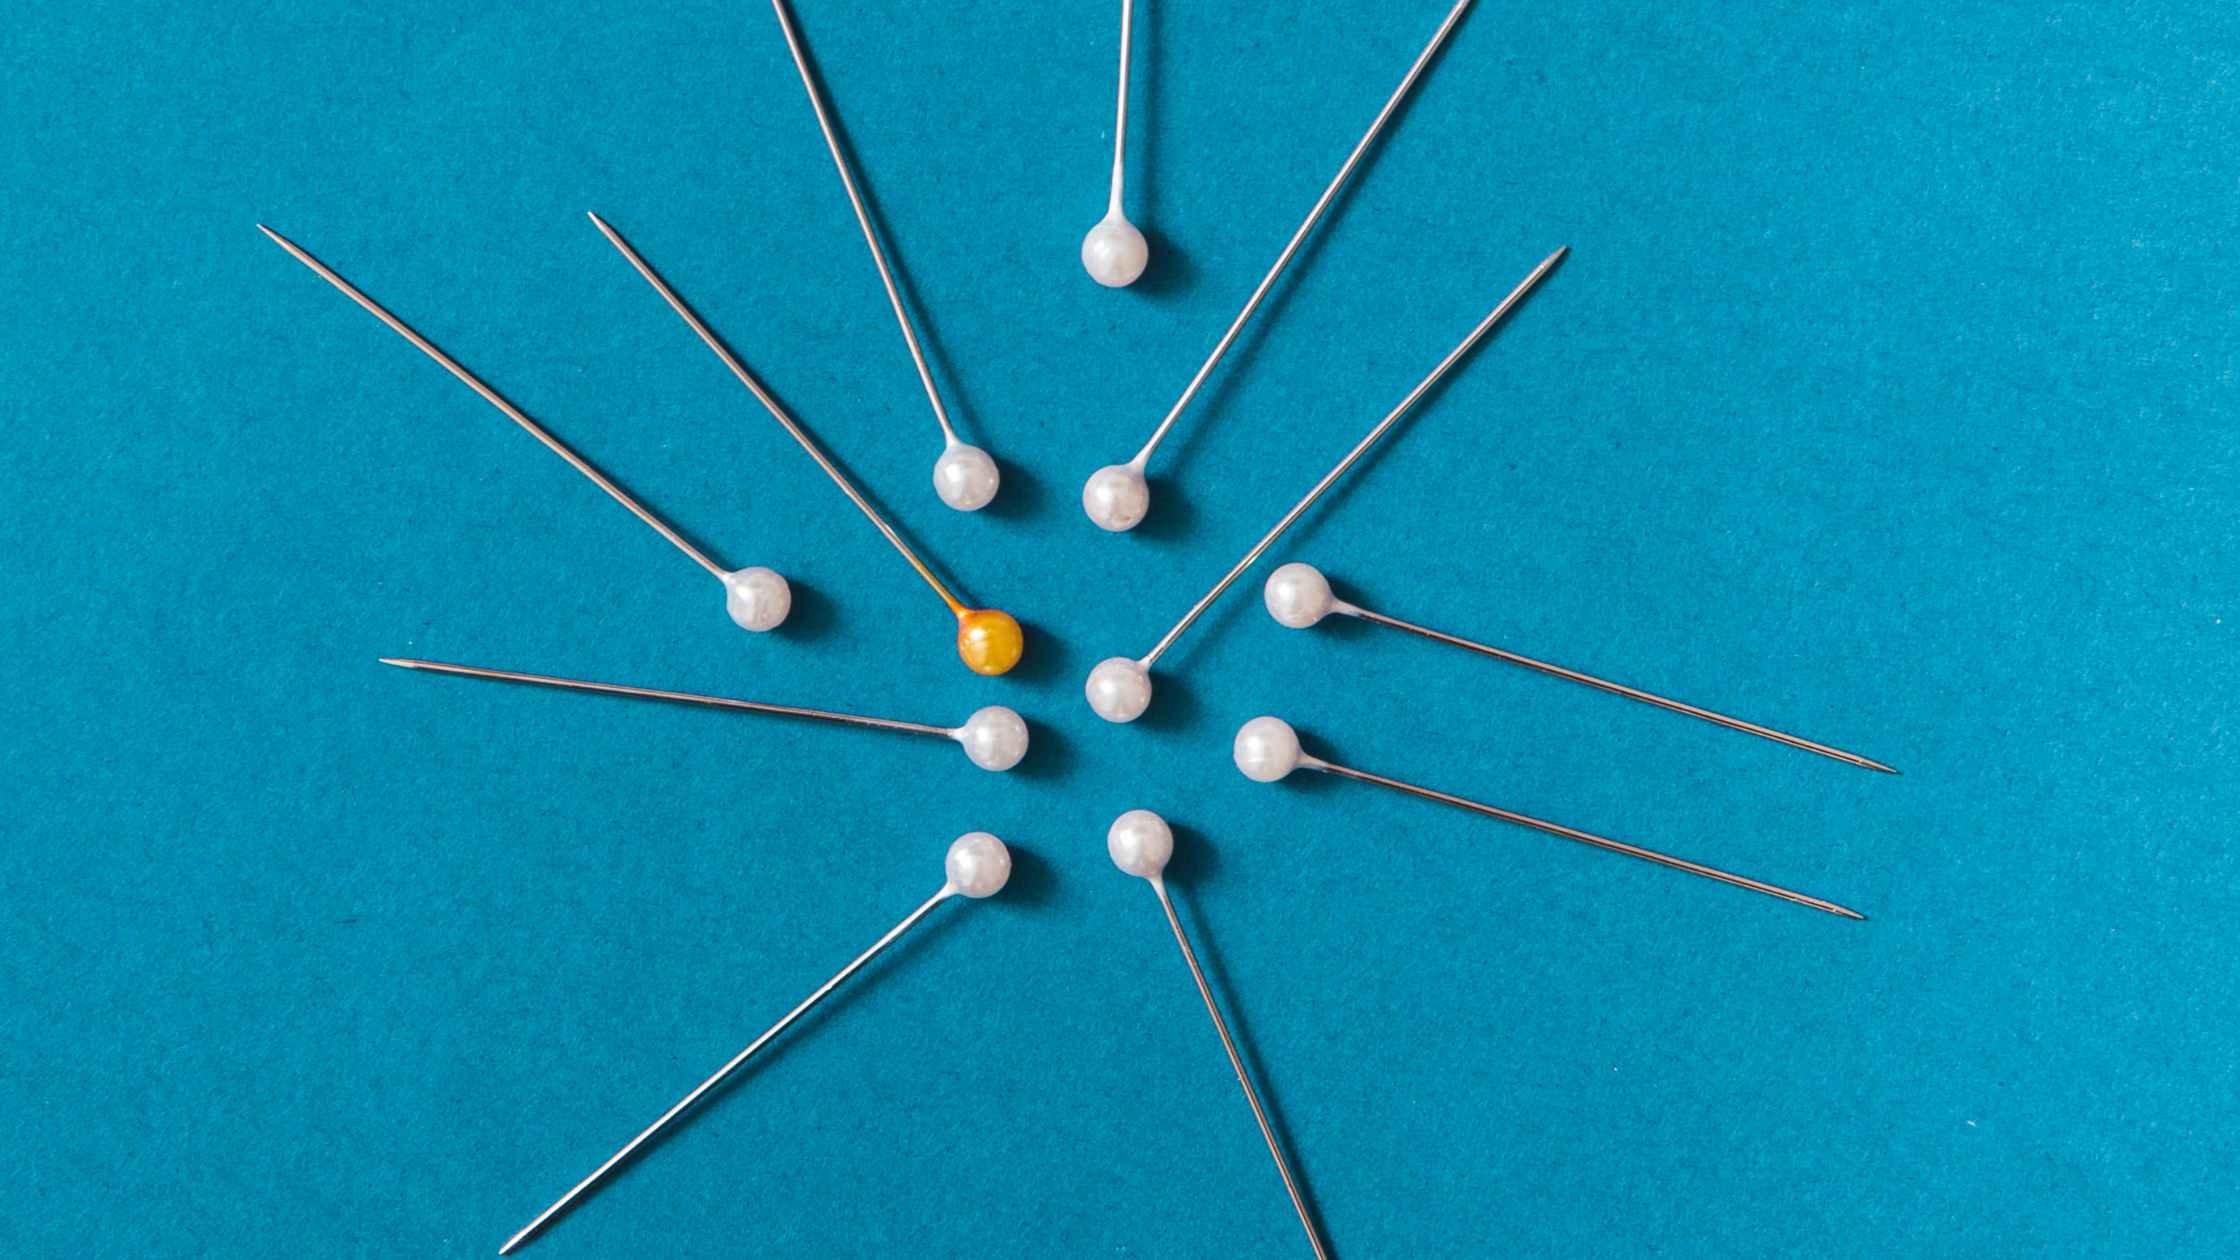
pixel 1115 251
pixel 994 737
pixel 863 217
pixel 978 865
pixel 785 420
pixel 491 396
pixel 1236 1064
pixel 1267 749
pixel 989 640
pixel 1119 689
pixel 599 1174
pixel 1140 843
pixel 1120 121
pixel 676 697
pixel 1298 595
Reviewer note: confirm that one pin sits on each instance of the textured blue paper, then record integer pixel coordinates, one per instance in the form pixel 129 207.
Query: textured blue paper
pixel 1888 397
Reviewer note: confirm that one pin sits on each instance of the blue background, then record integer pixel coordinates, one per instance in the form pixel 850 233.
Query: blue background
pixel 1889 396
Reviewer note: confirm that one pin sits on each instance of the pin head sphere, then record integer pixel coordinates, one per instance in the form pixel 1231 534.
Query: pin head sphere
pixel 965 477
pixel 1267 749
pixel 978 865
pixel 994 737
pixel 989 641
pixel 1114 252
pixel 1298 595
pixel 758 599
pixel 1119 689
pixel 1140 843
pixel 1116 497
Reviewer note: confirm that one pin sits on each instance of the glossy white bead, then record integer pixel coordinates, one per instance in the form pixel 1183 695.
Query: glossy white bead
pixel 1119 689
pixel 978 865
pixel 1114 252
pixel 757 598
pixel 1140 843
pixel 965 477
pixel 1266 749
pixel 1298 595
pixel 1116 497
pixel 995 738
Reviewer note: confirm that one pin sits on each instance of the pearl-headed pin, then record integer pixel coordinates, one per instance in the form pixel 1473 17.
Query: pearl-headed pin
pixel 1140 843
pixel 995 738
pixel 977 865
pixel 1298 596
pixel 964 476
pixel 756 598
pixel 1114 251
pixel 1267 749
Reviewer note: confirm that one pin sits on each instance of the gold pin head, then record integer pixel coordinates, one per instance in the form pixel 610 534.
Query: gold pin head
pixel 989 640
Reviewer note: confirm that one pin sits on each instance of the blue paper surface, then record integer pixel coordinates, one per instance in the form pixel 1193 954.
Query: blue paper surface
pixel 1888 397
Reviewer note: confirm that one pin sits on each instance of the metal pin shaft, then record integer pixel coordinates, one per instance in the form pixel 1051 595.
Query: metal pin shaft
pixel 1120 121
pixel 1291 247
pixel 1616 689
pixel 495 399
pixel 1360 448
pixel 1583 837
pixel 863 216
pixel 651 1131
pixel 676 697
pixel 770 403
pixel 1244 1080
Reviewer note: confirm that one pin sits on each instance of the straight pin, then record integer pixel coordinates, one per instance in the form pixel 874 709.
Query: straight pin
pixel 1141 843
pixel 1298 596
pixel 977 865
pixel 965 476
pixel 1114 252
pixel 994 737
pixel 1267 749
pixel 756 598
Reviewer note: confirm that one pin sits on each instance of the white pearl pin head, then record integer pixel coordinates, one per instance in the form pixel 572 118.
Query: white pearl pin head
pixel 1267 749
pixel 1298 595
pixel 978 865
pixel 1119 689
pixel 965 477
pixel 1114 252
pixel 1140 843
pixel 1116 497
pixel 758 599
pixel 994 737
